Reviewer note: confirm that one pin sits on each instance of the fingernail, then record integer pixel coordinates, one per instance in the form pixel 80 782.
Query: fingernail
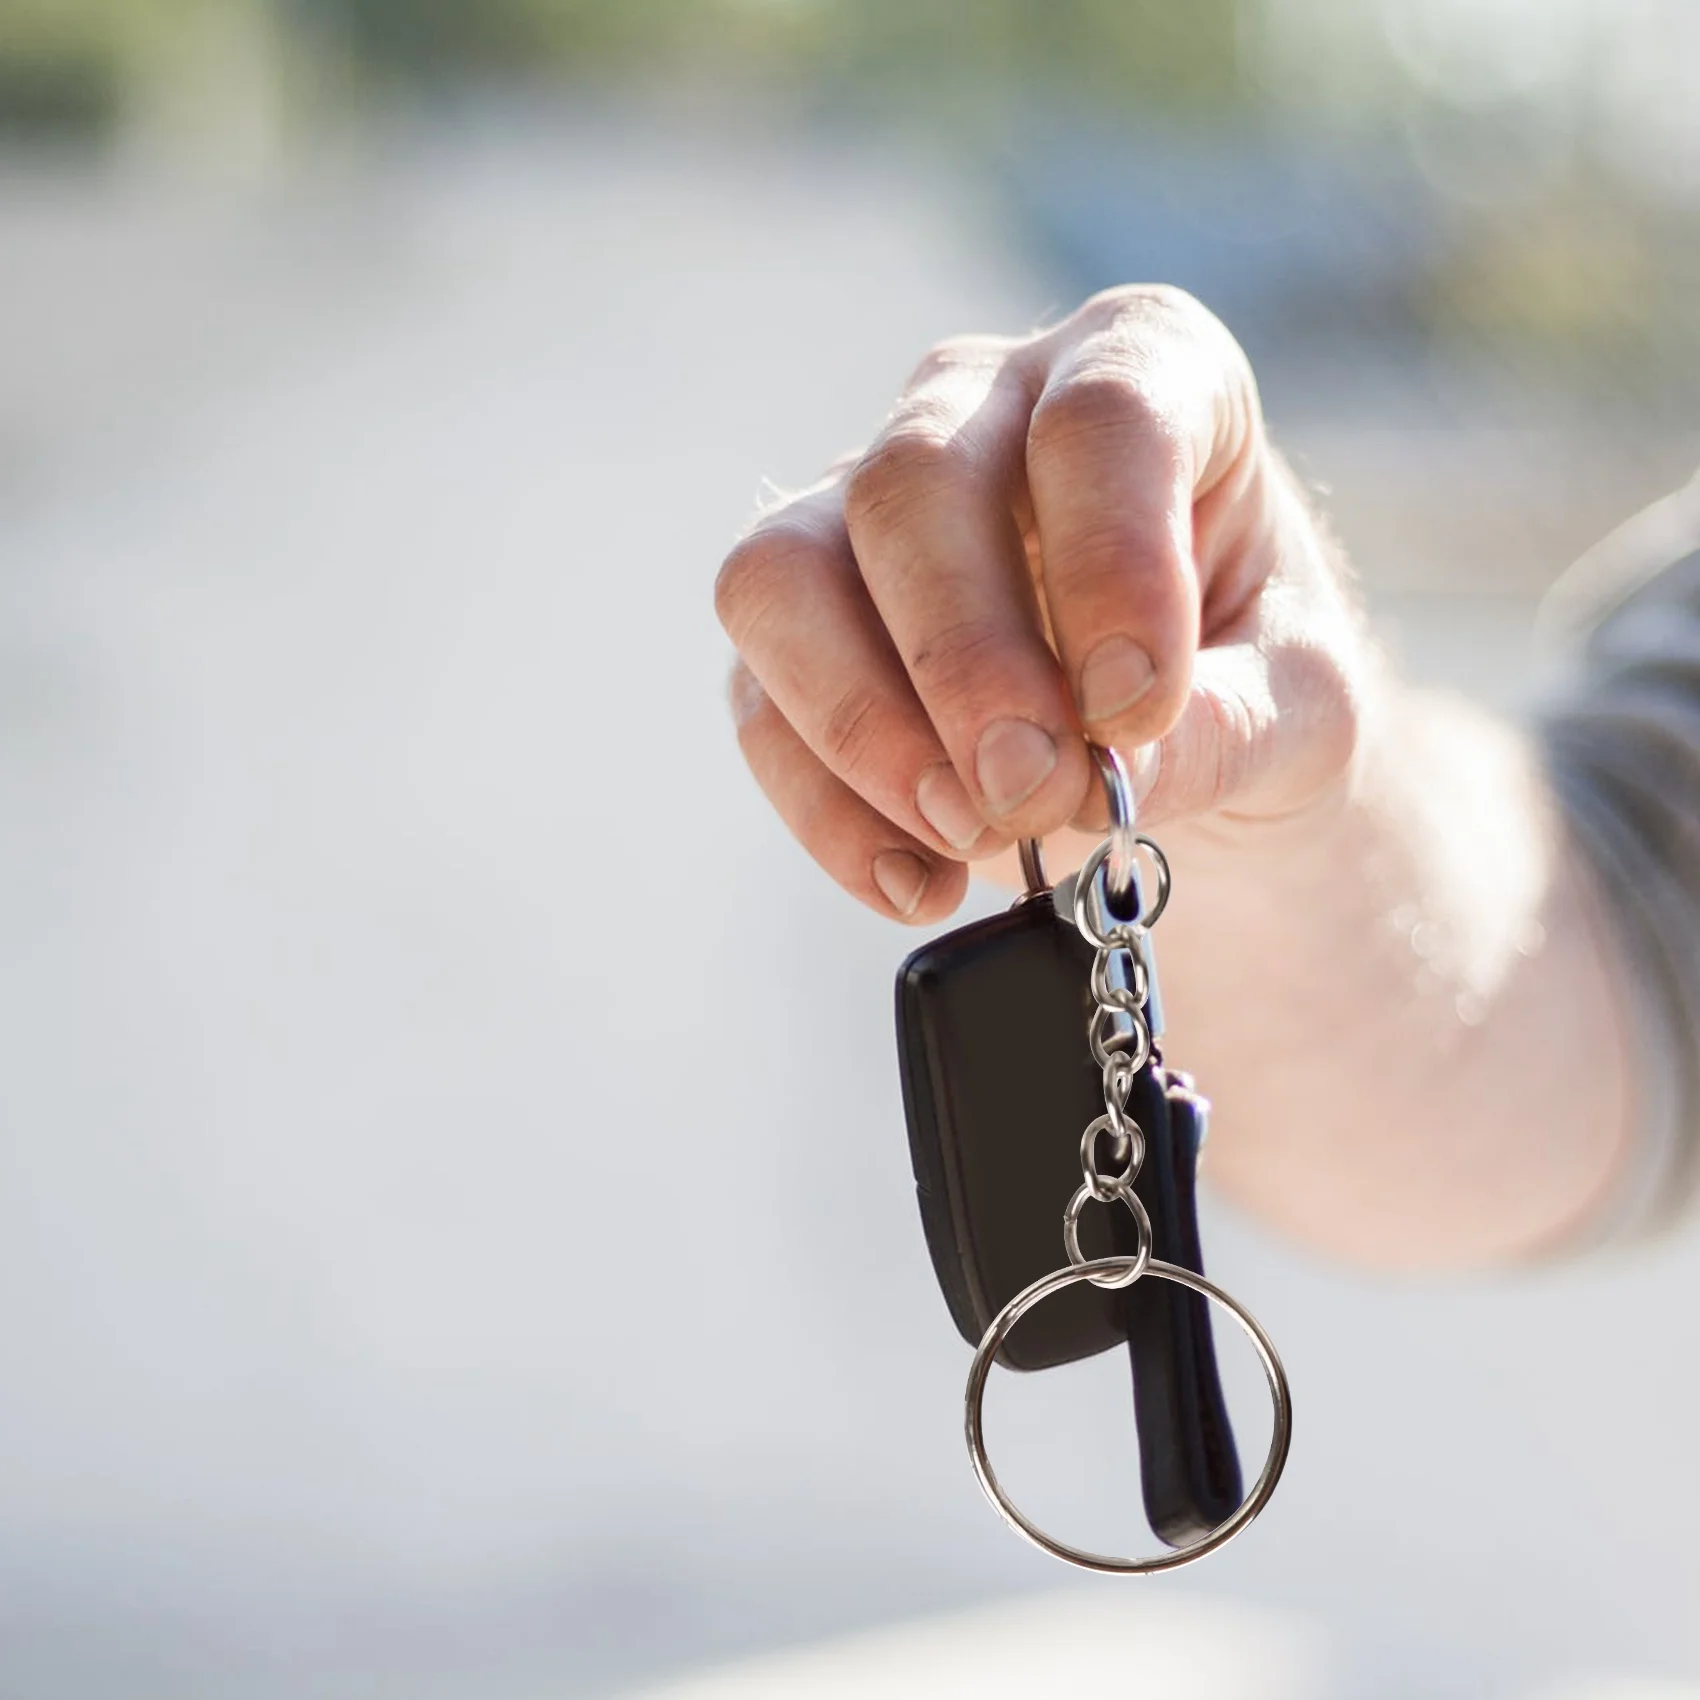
pixel 1014 759
pixel 745 694
pixel 947 808
pixel 1114 677
pixel 902 878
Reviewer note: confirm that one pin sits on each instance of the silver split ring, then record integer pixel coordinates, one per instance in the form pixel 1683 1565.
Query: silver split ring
pixel 1280 1439
pixel 1135 1263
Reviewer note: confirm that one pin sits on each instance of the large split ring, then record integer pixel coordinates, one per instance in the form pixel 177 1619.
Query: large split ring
pixel 1280 1439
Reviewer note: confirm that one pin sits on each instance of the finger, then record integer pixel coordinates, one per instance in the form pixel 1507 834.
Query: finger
pixel 1147 407
pixel 930 520
pixel 794 604
pixel 875 861
pixel 1265 729
pixel 1259 736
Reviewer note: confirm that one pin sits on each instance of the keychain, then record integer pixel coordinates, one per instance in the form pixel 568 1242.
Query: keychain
pixel 1034 1083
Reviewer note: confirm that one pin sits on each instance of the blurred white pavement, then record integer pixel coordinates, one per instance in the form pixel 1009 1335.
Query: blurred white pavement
pixel 1057 1644
pixel 456 1235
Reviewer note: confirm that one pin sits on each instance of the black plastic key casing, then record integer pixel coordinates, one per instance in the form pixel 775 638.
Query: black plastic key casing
pixel 998 1085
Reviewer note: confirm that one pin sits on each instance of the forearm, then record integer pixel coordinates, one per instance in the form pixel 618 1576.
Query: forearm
pixel 1403 1003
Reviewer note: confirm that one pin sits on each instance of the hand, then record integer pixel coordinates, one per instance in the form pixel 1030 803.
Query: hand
pixel 1082 533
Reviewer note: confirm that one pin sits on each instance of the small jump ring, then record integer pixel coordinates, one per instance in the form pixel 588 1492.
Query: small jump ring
pixel 1130 1138
pixel 1106 1042
pixel 1133 995
pixel 1161 863
pixel 1087 896
pixel 1136 1261
pixel 1119 1071
pixel 1280 1438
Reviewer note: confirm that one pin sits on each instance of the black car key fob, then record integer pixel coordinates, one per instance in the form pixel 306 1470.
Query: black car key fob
pixel 998 1081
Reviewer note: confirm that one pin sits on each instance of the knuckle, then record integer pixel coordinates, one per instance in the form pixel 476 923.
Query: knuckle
pixel 1137 321
pixel 957 352
pixel 1168 301
pixel 1145 304
pixel 756 573
pixel 1099 395
pixel 912 462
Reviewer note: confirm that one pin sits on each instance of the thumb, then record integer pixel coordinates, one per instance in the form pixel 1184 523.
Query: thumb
pixel 1263 733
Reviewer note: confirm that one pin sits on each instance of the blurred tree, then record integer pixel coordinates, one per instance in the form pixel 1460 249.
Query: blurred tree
pixel 1151 51
pixel 1558 140
pixel 77 68
pixel 63 65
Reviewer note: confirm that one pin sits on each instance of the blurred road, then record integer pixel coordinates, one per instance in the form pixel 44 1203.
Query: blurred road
pixel 456 1235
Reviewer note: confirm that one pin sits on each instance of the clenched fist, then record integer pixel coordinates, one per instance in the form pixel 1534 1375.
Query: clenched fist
pixel 1078 534
pixel 1084 534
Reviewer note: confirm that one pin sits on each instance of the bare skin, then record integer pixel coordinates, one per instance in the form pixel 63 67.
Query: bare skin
pixel 1383 958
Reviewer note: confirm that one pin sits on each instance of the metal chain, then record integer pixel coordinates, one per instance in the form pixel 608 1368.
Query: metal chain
pixel 1119 1033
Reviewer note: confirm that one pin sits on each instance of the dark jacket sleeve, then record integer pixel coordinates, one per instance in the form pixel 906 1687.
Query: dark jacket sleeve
pixel 1621 738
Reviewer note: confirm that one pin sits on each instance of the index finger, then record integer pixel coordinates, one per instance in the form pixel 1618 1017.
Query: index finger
pixel 1147 407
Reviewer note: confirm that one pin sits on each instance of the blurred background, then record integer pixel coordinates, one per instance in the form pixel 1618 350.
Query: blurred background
pixel 442 1251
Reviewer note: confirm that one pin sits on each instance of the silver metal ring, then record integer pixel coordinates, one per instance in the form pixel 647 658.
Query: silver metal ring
pixel 1119 1072
pixel 1107 1043
pixel 1118 788
pixel 1127 1131
pixel 1132 996
pixel 1280 1439
pixel 1135 1262
pixel 1129 1146
pixel 1161 863
pixel 1086 893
